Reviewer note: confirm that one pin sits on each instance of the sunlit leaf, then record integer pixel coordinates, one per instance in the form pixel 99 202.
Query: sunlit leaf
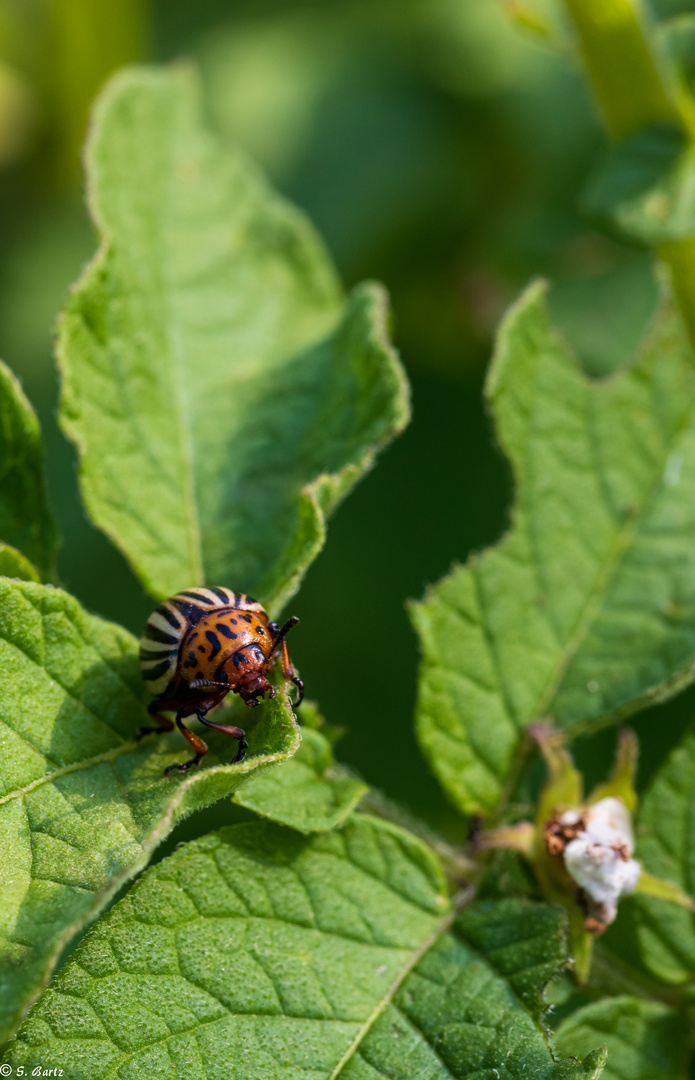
pixel 222 392
pixel 585 610
pixel 25 522
pixel 283 956
pixel 82 805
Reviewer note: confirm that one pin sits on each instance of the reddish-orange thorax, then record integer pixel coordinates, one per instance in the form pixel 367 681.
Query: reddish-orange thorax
pixel 230 643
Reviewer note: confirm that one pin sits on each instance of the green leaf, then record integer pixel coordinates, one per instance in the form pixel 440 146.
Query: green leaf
pixel 645 187
pixel 645 1039
pixel 14 565
pixel 223 394
pixel 82 805
pixel 665 834
pixel 274 955
pixel 585 610
pixel 309 792
pixel 25 521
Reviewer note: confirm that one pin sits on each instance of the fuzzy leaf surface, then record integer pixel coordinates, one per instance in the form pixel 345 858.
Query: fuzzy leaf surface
pixel 223 393
pixel 585 610
pixel 257 953
pixel 25 521
pixel 645 1039
pixel 82 804
pixel 310 792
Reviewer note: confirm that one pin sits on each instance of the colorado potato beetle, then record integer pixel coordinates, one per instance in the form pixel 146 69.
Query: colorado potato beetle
pixel 202 644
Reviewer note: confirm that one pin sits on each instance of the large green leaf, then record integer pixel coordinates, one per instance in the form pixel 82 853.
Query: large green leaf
pixel 645 1039
pixel 25 522
pixel 257 954
pixel 665 830
pixel 310 792
pixel 585 610
pixel 82 805
pixel 223 394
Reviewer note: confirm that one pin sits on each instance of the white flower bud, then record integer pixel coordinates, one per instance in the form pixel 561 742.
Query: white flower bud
pixel 599 858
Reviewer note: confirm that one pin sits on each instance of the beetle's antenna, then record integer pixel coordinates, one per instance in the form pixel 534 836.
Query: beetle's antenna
pixel 285 629
pixel 196 684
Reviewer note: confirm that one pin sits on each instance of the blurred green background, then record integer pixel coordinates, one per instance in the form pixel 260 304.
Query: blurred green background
pixel 439 146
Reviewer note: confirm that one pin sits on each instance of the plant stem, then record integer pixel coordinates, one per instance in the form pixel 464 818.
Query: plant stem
pixel 633 92
pixel 621 66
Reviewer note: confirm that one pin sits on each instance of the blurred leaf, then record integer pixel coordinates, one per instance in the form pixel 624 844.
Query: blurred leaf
pixel 82 805
pixel 25 521
pixel 223 395
pixel 645 1039
pixel 327 956
pixel 585 611
pixel 621 782
pixel 648 885
pixel 646 186
pixel 309 793
pixel 14 565
pixel 666 844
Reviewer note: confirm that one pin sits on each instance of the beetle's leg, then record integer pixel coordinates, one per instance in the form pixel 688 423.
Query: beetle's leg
pixel 288 672
pixel 165 723
pixel 228 729
pixel 196 742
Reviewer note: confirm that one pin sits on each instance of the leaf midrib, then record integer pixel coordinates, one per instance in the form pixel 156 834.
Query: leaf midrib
pixel 620 545
pixel 442 927
pixel 173 337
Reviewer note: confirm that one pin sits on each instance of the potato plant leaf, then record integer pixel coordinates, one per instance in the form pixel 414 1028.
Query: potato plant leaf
pixel 310 792
pixel 82 804
pixel 223 393
pixel 665 833
pixel 25 521
pixel 14 565
pixel 286 956
pixel 645 187
pixel 644 1039
pixel 585 610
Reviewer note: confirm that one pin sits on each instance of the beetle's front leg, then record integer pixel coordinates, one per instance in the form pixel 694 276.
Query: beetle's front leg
pixel 288 672
pixel 228 729
pixel 197 744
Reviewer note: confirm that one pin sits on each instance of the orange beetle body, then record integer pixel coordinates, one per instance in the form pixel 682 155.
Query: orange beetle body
pixel 199 646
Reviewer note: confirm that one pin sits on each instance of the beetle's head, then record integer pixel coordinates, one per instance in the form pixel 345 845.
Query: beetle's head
pixel 248 668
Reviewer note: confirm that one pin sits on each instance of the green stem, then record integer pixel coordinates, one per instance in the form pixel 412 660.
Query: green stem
pixel 621 66
pixel 633 92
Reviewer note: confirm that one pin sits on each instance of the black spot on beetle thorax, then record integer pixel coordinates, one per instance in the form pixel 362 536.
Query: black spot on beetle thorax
pixel 218 637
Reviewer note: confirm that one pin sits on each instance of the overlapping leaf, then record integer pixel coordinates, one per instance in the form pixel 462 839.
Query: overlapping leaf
pixel 310 792
pixel 644 1039
pixel 586 609
pixel 25 521
pixel 284 956
pixel 223 394
pixel 665 933
pixel 14 565
pixel 82 805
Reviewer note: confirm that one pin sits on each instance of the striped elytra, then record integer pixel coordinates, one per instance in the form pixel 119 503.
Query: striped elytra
pixel 170 625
